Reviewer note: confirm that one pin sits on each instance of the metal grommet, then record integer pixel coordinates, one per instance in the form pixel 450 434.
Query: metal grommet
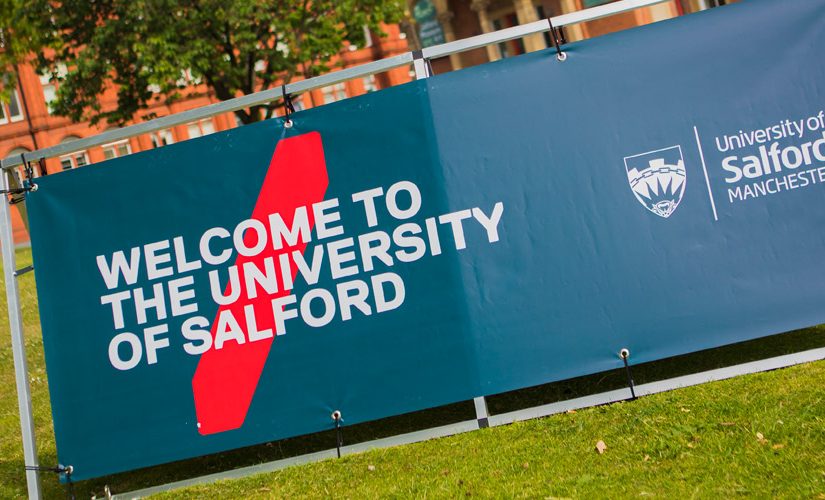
pixel 288 124
pixel 562 56
pixel 336 415
pixel 624 353
pixel 69 470
pixel 34 187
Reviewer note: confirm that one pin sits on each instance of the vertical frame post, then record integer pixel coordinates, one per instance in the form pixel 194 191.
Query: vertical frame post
pixel 21 372
pixel 482 415
pixel 420 65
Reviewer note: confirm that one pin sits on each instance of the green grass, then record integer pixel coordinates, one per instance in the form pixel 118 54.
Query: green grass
pixel 700 441
pixel 697 442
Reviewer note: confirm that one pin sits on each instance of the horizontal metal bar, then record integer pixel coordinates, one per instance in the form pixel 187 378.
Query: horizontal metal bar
pixel 478 41
pixel 601 11
pixel 263 97
pixel 412 437
pixel 501 419
pixel 270 95
pixel 536 27
pixel 660 386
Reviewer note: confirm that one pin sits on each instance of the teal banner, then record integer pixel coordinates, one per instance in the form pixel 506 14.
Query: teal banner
pixel 476 232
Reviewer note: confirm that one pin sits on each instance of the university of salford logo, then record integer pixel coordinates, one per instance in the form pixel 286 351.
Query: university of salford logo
pixel 658 179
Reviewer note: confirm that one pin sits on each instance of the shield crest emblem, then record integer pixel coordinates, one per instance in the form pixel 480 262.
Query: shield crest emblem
pixel 658 179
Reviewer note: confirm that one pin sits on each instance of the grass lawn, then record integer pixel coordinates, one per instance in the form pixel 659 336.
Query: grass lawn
pixel 760 435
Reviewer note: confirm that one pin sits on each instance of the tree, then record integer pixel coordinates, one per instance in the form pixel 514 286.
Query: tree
pixel 18 40
pixel 154 48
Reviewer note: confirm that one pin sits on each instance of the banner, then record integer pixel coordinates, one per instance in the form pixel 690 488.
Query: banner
pixel 476 232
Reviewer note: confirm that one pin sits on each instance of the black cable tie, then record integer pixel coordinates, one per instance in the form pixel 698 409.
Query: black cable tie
pixel 339 438
pixel 24 270
pixel 625 353
pixel 57 470
pixel 289 108
pixel 27 168
pixel 554 35
pixel 28 185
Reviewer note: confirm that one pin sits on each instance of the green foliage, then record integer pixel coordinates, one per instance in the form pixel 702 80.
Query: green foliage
pixel 18 39
pixel 758 436
pixel 154 48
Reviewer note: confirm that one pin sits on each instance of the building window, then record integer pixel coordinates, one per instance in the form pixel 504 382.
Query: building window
pixel 50 94
pixel 74 160
pixel 11 111
pixel 161 138
pixel 334 92
pixel 19 171
pixel 369 83
pixel 116 149
pixel 200 128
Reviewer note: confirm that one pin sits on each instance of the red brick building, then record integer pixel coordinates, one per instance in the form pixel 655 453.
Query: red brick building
pixel 26 122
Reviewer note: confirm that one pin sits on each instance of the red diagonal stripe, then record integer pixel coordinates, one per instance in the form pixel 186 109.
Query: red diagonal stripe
pixel 225 380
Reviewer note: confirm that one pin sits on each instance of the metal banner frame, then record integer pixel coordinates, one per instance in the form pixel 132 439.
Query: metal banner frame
pixel 420 60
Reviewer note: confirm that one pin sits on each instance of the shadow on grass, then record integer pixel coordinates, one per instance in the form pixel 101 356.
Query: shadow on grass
pixel 777 345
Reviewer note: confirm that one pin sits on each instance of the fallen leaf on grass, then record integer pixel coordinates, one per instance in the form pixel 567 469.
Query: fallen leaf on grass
pixel 571 411
pixel 726 424
pixel 761 438
pixel 778 446
pixel 647 458
pixel 685 410
pixel 525 465
pixel 600 446
pixel 370 467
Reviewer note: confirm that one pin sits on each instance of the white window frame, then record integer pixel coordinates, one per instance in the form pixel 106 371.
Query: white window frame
pixel 49 102
pixel 334 93
pixel 113 146
pixel 199 125
pixel 72 158
pixel 157 138
pixel 7 116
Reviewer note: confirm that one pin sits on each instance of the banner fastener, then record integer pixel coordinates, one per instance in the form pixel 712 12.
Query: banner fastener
pixel 624 354
pixel 557 34
pixel 24 270
pixel 67 470
pixel 28 185
pixel 339 438
pixel 289 108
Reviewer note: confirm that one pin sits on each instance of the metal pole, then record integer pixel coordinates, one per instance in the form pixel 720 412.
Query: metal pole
pixel 420 65
pixel 21 372
pixel 294 88
pixel 482 414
